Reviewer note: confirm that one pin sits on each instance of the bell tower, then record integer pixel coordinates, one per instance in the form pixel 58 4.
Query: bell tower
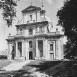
pixel 42 12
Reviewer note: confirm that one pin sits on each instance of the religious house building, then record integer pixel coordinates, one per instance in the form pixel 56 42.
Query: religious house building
pixel 35 38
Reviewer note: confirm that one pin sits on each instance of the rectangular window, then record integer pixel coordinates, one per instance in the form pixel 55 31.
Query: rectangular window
pixel 40 29
pixel 21 31
pixel 30 44
pixel 51 47
pixel 30 31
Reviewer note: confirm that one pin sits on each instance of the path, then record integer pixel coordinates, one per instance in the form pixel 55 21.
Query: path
pixel 15 66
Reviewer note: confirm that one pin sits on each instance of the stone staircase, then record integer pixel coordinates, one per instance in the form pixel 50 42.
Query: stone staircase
pixel 19 59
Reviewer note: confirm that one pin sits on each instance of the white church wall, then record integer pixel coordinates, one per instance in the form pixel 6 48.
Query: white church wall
pixel 45 29
pixel 26 18
pixel 34 17
pixel 59 50
pixel 38 17
pixel 26 32
pixel 34 31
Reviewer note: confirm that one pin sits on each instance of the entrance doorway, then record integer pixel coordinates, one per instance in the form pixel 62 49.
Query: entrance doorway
pixel 20 48
pixel 40 47
pixel 30 55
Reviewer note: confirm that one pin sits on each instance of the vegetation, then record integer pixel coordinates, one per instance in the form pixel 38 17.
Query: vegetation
pixel 9 11
pixel 3 56
pixel 68 20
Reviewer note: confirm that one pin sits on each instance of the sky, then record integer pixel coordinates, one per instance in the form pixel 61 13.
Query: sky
pixel 51 7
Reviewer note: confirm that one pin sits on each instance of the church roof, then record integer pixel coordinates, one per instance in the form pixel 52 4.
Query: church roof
pixel 31 8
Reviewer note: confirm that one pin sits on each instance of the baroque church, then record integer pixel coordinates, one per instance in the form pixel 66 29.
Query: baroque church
pixel 35 38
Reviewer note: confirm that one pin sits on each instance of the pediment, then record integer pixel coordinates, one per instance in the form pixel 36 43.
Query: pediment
pixel 31 8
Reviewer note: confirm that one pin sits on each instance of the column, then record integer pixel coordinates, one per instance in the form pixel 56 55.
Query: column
pixel 37 51
pixel 16 49
pixel 27 50
pixel 54 50
pixel 58 51
pixel 9 53
pixel 23 48
pixel 44 48
pixel 61 49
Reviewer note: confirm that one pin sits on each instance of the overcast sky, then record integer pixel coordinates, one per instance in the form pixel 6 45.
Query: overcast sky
pixel 51 7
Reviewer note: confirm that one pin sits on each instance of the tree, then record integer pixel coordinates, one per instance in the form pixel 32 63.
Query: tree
pixel 9 12
pixel 68 20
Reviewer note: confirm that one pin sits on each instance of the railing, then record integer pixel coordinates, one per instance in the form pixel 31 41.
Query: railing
pixel 40 32
pixel 10 37
pixel 53 33
pixel 33 21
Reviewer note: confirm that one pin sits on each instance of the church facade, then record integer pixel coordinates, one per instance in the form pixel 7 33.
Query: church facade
pixel 35 38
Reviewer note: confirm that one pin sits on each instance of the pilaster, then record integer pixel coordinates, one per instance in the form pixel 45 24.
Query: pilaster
pixel 44 48
pixel 58 49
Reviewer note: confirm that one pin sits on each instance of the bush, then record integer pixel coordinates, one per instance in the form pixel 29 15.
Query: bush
pixel 3 57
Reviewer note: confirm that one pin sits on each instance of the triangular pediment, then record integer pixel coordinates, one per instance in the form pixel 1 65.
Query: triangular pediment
pixel 31 8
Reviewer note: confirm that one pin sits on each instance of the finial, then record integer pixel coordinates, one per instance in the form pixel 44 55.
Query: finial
pixel 31 3
pixel 42 3
pixel 9 34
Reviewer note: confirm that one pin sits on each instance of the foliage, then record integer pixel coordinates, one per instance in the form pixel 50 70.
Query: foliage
pixel 9 12
pixel 68 20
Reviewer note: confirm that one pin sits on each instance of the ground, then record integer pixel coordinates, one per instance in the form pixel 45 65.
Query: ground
pixel 4 62
pixel 42 68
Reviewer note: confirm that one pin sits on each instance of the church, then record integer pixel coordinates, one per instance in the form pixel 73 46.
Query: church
pixel 35 38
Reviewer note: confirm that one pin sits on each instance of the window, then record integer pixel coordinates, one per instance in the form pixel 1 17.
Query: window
pixel 31 17
pixel 21 31
pixel 51 47
pixel 30 31
pixel 40 29
pixel 30 44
